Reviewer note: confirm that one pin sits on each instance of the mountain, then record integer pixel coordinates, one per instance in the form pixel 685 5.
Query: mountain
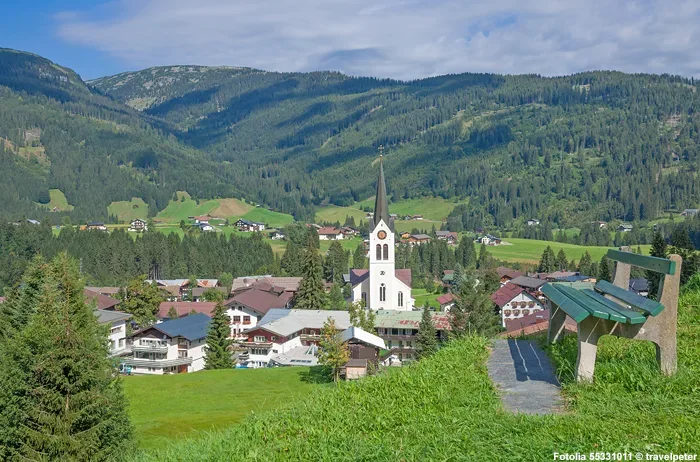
pixel 595 145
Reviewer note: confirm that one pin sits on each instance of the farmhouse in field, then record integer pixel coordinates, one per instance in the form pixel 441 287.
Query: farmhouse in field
pixel 138 225
pixel 449 236
pixel 533 222
pixel 170 347
pixel 625 228
pixel 689 212
pixel 96 226
pixel 249 226
pixel 330 233
pixel 418 239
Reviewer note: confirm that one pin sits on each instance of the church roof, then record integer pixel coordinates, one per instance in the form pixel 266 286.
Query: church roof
pixel 381 204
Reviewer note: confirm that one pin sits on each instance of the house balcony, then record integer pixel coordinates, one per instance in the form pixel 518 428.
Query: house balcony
pixel 139 362
pixel 146 348
pixel 123 351
pixel 256 344
pixel 397 337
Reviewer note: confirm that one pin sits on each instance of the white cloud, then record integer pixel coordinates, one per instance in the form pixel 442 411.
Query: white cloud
pixel 403 39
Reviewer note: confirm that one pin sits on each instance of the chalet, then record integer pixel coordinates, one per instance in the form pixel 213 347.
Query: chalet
pixel 624 228
pixel 170 347
pixel 689 212
pixel 506 274
pixel 348 231
pixel 558 275
pixel 185 308
pixel 102 302
pixel 446 302
pixel 330 233
pixel 417 217
pixel 418 239
pixel 533 323
pixel 398 329
pixel 248 226
pixel 289 284
pixel 96 225
pixel 531 285
pixel 109 291
pixel 277 236
pixel 640 286
pixel 405 235
pixel 205 227
pixel 407 217
pixel 116 320
pixel 250 304
pixel 280 331
pixel 197 293
pixel 600 224
pixel 393 216
pixel 202 220
pixel 514 302
pixel 138 225
pixel 449 236
pixel 577 278
pixel 488 239
pixel 533 222
pixel 448 278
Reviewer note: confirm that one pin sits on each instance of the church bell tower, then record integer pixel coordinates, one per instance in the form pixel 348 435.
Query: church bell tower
pixel 382 293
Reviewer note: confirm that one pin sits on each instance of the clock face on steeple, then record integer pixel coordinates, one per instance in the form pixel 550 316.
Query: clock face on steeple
pixel 381 234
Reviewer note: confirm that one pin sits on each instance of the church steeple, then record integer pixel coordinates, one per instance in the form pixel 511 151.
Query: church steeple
pixel 381 205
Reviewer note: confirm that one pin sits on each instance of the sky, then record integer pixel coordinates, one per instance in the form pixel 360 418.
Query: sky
pixel 402 39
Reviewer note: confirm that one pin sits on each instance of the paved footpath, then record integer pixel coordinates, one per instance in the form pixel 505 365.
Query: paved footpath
pixel 525 377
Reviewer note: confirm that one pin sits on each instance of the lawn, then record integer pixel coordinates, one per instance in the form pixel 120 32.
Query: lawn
pixel 433 209
pixel 58 199
pixel 181 209
pixel 126 211
pixel 530 251
pixel 271 218
pixel 169 407
pixel 421 296
pixel 348 244
pixel 333 213
pixel 446 408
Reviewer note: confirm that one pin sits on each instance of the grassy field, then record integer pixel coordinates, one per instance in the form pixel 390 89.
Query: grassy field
pixel 446 408
pixel 530 251
pixel 271 218
pixel 433 209
pixel 58 199
pixel 421 296
pixel 126 211
pixel 333 213
pixel 348 244
pixel 167 408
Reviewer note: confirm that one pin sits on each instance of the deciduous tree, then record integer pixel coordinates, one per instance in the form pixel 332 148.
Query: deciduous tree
pixel 333 352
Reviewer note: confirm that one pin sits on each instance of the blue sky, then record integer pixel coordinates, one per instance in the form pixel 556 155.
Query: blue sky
pixel 403 39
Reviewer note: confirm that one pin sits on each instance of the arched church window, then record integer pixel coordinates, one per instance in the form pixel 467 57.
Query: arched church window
pixel 400 298
pixel 386 251
pixel 379 251
pixel 382 293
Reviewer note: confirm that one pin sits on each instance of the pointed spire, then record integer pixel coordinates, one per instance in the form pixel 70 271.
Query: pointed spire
pixel 381 206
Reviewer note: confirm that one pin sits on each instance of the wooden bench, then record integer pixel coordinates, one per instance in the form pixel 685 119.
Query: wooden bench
pixel 611 309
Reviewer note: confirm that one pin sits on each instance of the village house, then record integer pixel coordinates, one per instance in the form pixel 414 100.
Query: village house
pixel 202 220
pixel 101 301
pixel 639 286
pixel 448 278
pixel 689 212
pixel 251 303
pixel 533 323
pixel 417 217
pixel 405 235
pixel 532 285
pixel 533 222
pixel 288 283
pixel 348 231
pixel 116 320
pixel 600 224
pixel 577 278
pixel 514 302
pixel 96 226
pixel 138 225
pixel 418 239
pixel 185 309
pixel 197 294
pixel 488 239
pixel 277 236
pixel 446 301
pixel 170 347
pixel 280 331
pixel 506 274
pixel 398 329
pixel 249 226
pixel 449 236
pixel 205 227
pixel 330 233
pixel 624 228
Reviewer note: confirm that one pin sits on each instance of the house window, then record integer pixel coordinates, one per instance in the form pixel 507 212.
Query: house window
pixel 259 339
pixel 382 293
pixel 379 251
pixel 506 312
pixel 364 298
pixel 394 332
pixel 386 251
pixel 516 312
pixel 182 354
pixel 531 304
pixel 400 298
pixel 380 330
pixel 182 342
pixel 236 319
pixel 526 312
pixel 273 338
pixel 246 319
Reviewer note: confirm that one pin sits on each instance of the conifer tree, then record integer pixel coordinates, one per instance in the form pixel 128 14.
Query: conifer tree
pixel 332 352
pixel 585 265
pixel 480 314
pixel 311 294
pixel 359 257
pixel 562 262
pixel 548 261
pixel 60 398
pixel 483 260
pixel 336 298
pixel 658 249
pixel 491 282
pixel 426 339
pixel 217 352
pixel 605 269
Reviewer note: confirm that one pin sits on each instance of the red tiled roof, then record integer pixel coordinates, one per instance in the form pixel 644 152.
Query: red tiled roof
pixel 184 308
pixel 507 272
pixel 328 230
pixel 444 299
pixel 103 302
pixel 533 323
pixel 404 275
pixel 260 300
pixel 505 294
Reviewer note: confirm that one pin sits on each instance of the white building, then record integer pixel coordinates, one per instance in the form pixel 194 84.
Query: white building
pixel 330 233
pixel 116 320
pixel 515 302
pixel 250 305
pixel 170 347
pixel 382 287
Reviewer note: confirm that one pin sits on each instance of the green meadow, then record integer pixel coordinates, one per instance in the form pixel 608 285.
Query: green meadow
pixel 126 211
pixel 58 199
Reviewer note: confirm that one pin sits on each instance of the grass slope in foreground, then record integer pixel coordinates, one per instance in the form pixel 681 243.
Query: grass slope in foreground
pixel 166 408
pixel 445 408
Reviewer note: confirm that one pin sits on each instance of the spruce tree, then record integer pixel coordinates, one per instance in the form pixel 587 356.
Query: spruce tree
pixel 481 316
pixel 484 257
pixel 359 257
pixel 562 262
pixel 548 261
pixel 332 351
pixel 336 298
pixel 311 294
pixel 658 249
pixel 605 269
pixel 426 339
pixel 585 265
pixel 491 281
pixel 217 352
pixel 60 398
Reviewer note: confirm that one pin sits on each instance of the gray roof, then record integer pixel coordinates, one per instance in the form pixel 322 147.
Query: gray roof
pixel 420 236
pixel 191 327
pixel 363 336
pixel 530 283
pixel 299 356
pixel 105 316
pixel 285 322
pixel 381 204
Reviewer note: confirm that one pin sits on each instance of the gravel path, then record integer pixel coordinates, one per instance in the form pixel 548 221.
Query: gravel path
pixel 525 377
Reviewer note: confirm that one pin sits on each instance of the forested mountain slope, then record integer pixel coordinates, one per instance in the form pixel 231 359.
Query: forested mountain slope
pixel 593 145
pixel 55 132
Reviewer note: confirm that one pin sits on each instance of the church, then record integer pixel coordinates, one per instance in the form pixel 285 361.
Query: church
pixel 382 287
